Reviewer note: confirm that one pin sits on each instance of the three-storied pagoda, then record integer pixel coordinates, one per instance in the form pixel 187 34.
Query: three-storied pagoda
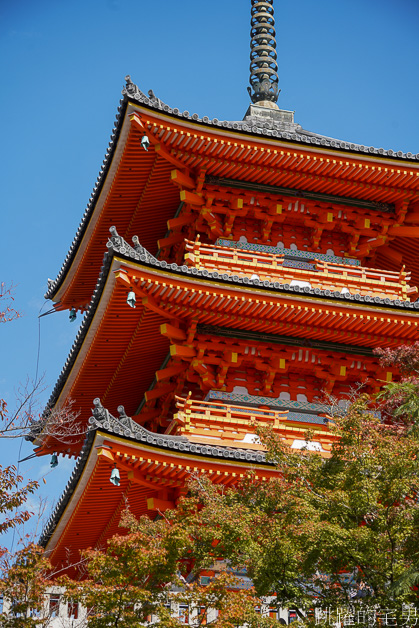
pixel 250 269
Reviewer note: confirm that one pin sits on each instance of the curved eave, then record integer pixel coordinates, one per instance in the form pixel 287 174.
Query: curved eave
pixel 273 159
pixel 113 355
pixel 56 284
pixel 89 496
pixel 265 129
pixel 118 349
pixel 134 184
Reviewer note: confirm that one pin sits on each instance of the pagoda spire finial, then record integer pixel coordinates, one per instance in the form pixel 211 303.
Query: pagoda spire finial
pixel 263 65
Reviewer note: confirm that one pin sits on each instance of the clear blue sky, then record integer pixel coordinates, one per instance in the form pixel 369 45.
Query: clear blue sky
pixel 349 69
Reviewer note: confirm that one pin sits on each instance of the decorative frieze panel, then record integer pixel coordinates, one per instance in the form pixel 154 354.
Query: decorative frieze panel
pixel 280 404
pixel 294 254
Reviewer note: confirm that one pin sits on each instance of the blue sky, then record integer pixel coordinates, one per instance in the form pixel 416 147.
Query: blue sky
pixel 348 68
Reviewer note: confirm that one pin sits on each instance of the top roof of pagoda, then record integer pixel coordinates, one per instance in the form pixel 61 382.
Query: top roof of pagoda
pixel 254 128
pixel 263 121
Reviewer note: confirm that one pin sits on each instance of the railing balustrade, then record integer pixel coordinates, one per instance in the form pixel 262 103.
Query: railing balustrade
pixel 323 275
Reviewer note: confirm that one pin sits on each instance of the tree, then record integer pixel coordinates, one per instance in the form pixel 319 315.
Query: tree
pixel 333 531
pixel 12 497
pixel 62 424
pixel 23 584
pixel 327 532
pixel 138 578
pixel 400 399
pixel 7 311
pixel 23 579
pixel 24 421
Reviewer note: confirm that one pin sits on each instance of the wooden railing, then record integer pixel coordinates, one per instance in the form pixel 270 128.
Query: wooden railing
pixel 323 275
pixel 208 422
pixel 205 413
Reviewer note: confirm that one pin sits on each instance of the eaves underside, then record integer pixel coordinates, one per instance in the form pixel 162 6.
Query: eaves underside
pixel 151 443
pixel 132 94
pixel 369 305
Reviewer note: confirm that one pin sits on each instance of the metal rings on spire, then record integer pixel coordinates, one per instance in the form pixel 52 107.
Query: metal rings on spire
pixel 263 65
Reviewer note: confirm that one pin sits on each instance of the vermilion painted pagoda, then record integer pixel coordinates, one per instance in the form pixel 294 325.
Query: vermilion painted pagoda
pixel 250 269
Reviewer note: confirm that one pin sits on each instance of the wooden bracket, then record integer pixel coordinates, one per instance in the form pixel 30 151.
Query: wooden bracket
pixel 182 180
pixel 154 503
pixel 174 333
pixel 158 392
pixel 169 372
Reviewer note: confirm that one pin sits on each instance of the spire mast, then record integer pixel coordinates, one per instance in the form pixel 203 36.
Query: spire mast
pixel 263 65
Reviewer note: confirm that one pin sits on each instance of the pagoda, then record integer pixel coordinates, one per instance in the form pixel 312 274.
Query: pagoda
pixel 230 274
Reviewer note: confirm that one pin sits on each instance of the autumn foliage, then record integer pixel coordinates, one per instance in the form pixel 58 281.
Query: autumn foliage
pixel 23 585
pixel 399 400
pixel 329 531
pixel 139 578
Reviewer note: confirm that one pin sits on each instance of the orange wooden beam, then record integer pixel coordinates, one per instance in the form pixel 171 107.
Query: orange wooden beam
pixel 180 221
pixel 191 198
pixel 174 333
pixel 146 415
pixel 136 119
pixel 170 240
pixel 169 157
pixel 182 352
pixel 149 303
pixel 183 180
pixel 159 391
pixel 137 478
pixel 171 371
pixel 412 218
pixel 404 232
